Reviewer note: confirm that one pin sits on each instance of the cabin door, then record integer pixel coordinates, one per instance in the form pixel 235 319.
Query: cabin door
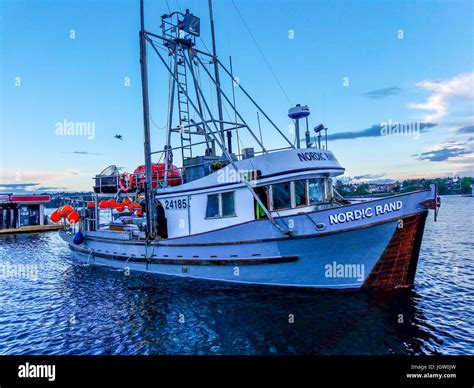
pixel 161 221
pixel 262 193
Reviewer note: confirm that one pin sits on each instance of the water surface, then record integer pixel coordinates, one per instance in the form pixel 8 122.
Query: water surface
pixel 62 307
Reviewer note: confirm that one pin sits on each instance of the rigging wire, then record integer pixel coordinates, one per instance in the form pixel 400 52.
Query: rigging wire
pixel 233 99
pixel 211 89
pixel 262 54
pixel 156 125
pixel 198 76
pixel 160 45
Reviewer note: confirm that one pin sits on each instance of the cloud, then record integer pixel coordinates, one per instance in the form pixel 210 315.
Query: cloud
pixel 368 176
pixel 381 181
pixel 21 188
pixel 21 181
pixel 374 131
pixel 10 175
pixel 446 151
pixel 383 93
pixel 464 130
pixel 50 188
pixel 458 92
pixel 16 186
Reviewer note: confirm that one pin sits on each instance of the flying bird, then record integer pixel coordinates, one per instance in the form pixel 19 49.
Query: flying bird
pixel 119 137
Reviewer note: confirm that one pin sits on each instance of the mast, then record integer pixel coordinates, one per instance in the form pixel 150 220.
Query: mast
pixel 168 152
pixel 218 84
pixel 146 127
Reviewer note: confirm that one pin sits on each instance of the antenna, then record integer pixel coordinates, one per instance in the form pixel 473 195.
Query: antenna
pixel 318 130
pixel 218 83
pixel 326 136
pixel 306 134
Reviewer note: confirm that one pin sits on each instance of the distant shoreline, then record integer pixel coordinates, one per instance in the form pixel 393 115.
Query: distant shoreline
pixel 372 195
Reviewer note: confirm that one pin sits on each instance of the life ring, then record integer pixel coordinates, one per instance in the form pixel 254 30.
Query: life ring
pixel 126 182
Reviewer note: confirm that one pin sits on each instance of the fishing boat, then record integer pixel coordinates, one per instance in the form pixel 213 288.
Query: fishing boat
pixel 258 216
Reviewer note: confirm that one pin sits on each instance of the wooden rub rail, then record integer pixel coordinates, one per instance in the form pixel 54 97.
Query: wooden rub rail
pixel 397 266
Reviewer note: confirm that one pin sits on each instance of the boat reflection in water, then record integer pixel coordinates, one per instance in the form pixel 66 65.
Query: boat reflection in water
pixel 164 316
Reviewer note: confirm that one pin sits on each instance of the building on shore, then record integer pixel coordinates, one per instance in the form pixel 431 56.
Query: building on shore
pixel 381 187
pixel 22 210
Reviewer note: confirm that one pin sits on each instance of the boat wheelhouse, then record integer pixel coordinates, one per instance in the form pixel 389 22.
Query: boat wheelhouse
pixel 282 181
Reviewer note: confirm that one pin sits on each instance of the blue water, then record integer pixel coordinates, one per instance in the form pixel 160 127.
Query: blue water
pixel 76 309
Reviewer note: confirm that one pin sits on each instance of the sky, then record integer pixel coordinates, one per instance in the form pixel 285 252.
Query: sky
pixel 393 81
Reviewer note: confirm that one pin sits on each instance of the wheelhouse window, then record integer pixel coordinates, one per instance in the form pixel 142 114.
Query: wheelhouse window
pixel 329 189
pixel 294 194
pixel 281 195
pixel 228 204
pixel 316 190
pixel 212 210
pixel 301 195
pixel 220 205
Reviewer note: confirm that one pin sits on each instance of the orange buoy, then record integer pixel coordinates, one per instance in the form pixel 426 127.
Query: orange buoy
pixel 73 217
pixel 65 210
pixel 55 217
pixel 104 204
pixel 138 212
pixel 90 205
pixel 120 207
pixel 136 206
pixel 112 203
pixel 126 201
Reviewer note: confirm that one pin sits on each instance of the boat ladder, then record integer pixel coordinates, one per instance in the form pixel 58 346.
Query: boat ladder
pixel 183 104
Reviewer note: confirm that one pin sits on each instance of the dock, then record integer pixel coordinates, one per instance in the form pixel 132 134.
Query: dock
pixel 31 229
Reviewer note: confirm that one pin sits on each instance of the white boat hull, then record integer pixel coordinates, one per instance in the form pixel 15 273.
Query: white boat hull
pixel 325 250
